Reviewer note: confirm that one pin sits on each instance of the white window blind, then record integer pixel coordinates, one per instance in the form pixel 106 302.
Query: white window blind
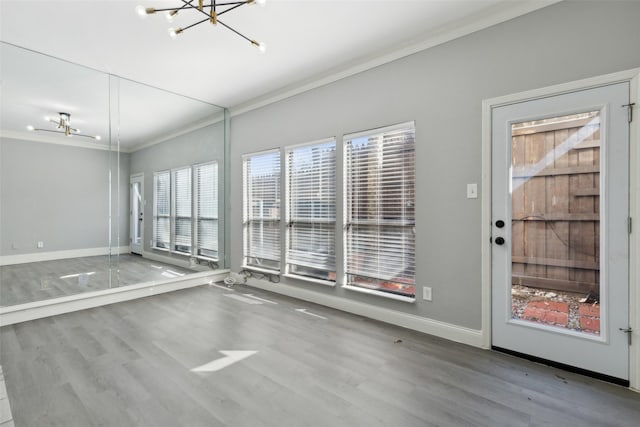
pixel 261 210
pixel 206 210
pixel 182 210
pixel 311 201
pixel 161 210
pixel 380 210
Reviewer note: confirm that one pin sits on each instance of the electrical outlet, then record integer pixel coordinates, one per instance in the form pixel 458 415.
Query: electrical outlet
pixel 40 244
pixel 426 293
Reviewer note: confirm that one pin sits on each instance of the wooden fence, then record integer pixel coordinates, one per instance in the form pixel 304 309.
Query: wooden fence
pixel 556 203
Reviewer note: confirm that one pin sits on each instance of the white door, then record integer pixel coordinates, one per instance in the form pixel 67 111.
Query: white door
pixel 560 257
pixel 137 213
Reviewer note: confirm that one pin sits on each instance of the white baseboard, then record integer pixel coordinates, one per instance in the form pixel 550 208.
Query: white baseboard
pixel 36 310
pixel 448 331
pixel 55 255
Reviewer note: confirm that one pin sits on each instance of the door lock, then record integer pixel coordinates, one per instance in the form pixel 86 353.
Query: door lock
pixel 500 241
pixel 499 223
pixel 627 331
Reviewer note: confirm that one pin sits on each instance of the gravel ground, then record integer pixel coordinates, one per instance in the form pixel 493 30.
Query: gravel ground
pixel 521 295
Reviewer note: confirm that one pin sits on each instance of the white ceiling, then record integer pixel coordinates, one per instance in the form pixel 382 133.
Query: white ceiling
pixel 308 41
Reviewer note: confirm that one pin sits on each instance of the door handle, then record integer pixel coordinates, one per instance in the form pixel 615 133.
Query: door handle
pixel 500 241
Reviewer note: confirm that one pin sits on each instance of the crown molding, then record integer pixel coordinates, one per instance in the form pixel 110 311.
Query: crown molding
pixel 501 12
pixel 182 131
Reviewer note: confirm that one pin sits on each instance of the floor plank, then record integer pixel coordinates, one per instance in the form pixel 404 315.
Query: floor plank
pixel 129 364
pixel 37 281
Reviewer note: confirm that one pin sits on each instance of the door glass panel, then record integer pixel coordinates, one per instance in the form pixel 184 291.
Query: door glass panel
pixel 555 189
pixel 137 213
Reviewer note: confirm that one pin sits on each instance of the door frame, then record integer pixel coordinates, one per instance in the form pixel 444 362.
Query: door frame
pixel 633 77
pixel 139 176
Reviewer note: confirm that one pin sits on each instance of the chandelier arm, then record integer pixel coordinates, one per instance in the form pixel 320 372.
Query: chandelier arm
pixel 185 5
pixel 167 9
pixel 237 32
pixel 231 8
pixel 196 8
pixel 59 131
pixel 195 23
pixel 188 5
pixel 229 3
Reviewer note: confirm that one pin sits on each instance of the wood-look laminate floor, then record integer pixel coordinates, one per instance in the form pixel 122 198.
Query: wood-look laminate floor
pixel 37 281
pixel 129 364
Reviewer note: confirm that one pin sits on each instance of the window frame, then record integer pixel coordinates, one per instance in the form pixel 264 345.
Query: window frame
pixel 289 222
pixel 174 211
pixel 196 204
pixel 156 176
pixel 193 218
pixel 403 224
pixel 247 221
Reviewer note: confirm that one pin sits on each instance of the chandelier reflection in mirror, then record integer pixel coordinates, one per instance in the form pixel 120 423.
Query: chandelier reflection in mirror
pixel 211 11
pixel 63 125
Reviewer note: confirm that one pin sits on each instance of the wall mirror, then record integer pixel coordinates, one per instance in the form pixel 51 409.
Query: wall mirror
pixel 104 182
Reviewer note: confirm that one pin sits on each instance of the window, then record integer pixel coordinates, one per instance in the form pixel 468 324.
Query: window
pixel 185 216
pixel 181 210
pixel 206 210
pixel 379 210
pixel 161 211
pixel 311 210
pixel 261 210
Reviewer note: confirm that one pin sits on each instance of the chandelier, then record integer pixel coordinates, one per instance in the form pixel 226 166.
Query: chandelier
pixel 63 124
pixel 211 11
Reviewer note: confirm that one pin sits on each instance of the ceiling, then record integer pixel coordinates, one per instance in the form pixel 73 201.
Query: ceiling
pixel 309 42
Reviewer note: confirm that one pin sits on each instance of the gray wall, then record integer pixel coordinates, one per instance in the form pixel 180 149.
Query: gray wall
pixel 442 89
pixel 58 195
pixel 200 146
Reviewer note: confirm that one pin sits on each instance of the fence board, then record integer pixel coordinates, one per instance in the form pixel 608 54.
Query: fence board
pixel 555 206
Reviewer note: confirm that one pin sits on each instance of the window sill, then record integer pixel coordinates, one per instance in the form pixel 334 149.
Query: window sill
pixel 260 270
pixel 207 259
pixel 380 293
pixel 310 279
pixel 181 253
pixel 160 249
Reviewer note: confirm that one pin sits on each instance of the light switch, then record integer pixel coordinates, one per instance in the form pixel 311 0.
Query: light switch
pixel 472 191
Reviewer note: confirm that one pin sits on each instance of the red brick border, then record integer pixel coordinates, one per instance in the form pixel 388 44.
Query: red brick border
pixel 547 312
pixel 590 318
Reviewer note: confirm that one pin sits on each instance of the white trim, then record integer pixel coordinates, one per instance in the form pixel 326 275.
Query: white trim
pixel 634 240
pixel 485 228
pixel 65 254
pixel 501 12
pixel 182 261
pixel 322 141
pixel 378 293
pixel 632 76
pixel 310 279
pixel 448 331
pixel 261 270
pixel 560 89
pixel 51 307
pixel 260 153
pixel 138 177
pixel 386 129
